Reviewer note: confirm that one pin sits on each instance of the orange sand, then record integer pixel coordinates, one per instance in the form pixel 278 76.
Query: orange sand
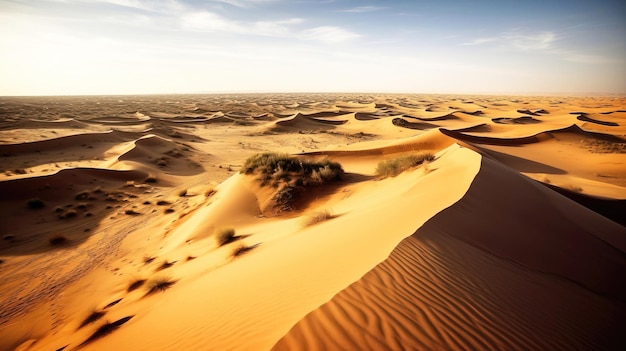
pixel 512 238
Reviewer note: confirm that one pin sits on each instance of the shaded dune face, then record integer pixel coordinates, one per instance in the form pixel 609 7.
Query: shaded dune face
pixel 454 222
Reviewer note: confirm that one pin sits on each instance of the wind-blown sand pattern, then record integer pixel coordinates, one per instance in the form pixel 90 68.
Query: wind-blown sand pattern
pixel 511 238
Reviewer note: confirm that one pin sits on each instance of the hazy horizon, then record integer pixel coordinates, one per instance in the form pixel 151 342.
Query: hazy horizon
pixel 135 47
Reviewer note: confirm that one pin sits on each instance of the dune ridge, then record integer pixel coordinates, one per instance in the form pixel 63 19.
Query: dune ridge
pixel 446 287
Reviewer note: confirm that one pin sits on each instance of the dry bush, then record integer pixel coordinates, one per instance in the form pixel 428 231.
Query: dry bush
pixel 135 284
pixel 35 203
pixel 317 217
pixel 225 236
pixel 276 168
pixel 395 166
pixel 159 284
pixel 92 317
pixel 573 188
pixel 57 239
pixel 242 249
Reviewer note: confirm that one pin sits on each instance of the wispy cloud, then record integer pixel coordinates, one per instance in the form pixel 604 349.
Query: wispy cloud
pixel 329 34
pixel 545 42
pixel 518 41
pixel 211 22
pixel 361 9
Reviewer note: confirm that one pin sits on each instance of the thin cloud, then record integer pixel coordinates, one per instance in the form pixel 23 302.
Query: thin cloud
pixel 518 41
pixel 361 9
pixel 329 34
pixel 211 22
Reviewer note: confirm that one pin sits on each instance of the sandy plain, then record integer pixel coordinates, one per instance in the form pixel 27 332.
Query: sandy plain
pixel 511 238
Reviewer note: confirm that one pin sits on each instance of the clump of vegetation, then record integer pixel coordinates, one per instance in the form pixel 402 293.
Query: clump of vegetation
pixel 242 249
pixel 290 175
pixel 132 212
pixel 164 265
pixel 135 284
pixel 106 329
pixel 182 193
pixel 159 284
pixel 393 167
pixel 83 195
pixel 276 168
pixel 150 179
pixel 225 236
pixel 92 317
pixel 573 188
pixel 68 214
pixel 35 203
pixel 317 217
pixel 57 239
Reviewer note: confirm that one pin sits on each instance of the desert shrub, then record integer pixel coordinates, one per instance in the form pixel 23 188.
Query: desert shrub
pixel 317 217
pixel 105 329
pixel 68 214
pixel 164 265
pixel 573 188
pixel 57 240
pixel 242 249
pixel 83 195
pixel 393 167
pixel 283 168
pixel 92 317
pixel 35 203
pixel 159 284
pixel 225 236
pixel 135 284
pixel 182 193
pixel 150 179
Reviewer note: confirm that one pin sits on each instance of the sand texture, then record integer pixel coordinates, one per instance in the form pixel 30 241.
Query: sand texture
pixel 135 223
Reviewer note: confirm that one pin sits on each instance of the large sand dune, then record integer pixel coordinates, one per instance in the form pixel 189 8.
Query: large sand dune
pixel 511 237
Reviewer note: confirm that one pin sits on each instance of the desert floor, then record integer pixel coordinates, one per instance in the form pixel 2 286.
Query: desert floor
pixel 511 237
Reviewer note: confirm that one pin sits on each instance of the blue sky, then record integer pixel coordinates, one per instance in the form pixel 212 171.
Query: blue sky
pixel 61 47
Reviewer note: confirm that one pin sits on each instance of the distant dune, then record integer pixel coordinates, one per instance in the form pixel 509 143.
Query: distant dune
pixel 373 222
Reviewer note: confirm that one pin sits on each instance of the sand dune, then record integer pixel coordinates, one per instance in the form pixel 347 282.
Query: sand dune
pixel 510 236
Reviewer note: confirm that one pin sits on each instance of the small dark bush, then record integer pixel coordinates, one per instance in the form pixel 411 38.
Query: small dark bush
pixel 136 284
pixel 35 203
pixel 83 195
pixel 242 249
pixel 164 265
pixel 159 284
pixel 225 236
pixel 57 240
pixel 92 317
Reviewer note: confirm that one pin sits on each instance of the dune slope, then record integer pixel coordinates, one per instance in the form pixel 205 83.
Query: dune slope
pixel 540 272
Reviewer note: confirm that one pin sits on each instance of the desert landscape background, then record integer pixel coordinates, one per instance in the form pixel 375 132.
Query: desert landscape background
pixel 135 222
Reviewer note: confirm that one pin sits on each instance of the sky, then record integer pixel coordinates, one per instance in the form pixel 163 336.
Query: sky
pixel 104 47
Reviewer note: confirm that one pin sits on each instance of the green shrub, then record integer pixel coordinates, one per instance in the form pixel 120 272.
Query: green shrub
pixel 393 167
pixel 276 168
